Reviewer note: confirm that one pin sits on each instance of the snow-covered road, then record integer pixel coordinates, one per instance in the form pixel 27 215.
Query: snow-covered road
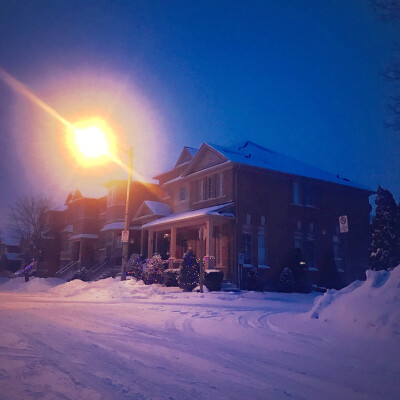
pixel 124 340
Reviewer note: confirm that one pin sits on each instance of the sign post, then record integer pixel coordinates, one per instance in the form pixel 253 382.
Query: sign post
pixel 343 224
pixel 125 237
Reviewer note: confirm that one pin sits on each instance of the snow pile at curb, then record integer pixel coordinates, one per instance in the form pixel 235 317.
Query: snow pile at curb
pixel 34 284
pixel 108 289
pixel 370 307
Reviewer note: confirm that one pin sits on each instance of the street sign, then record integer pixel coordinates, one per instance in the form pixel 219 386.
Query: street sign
pixel 125 237
pixel 343 224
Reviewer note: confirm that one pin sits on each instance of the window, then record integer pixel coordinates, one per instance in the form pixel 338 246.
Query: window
pixel 298 236
pixel 182 193
pixel 200 192
pixel 116 196
pixel 296 193
pixel 246 247
pixel 309 196
pixel 262 253
pixel 212 186
pixel 118 241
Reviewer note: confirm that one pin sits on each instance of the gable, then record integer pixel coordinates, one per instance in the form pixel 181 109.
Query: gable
pixel 152 208
pixel 205 158
pixel 143 211
pixel 186 155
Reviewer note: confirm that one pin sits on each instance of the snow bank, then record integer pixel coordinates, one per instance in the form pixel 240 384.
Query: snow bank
pixel 109 289
pixel 370 307
pixel 34 284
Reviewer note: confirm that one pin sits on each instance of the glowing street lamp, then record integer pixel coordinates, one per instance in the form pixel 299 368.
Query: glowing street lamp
pixel 92 143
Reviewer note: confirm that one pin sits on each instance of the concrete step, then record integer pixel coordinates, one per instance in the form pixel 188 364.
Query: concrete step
pixel 228 287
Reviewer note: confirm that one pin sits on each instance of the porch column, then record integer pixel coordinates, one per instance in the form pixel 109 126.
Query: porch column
pixel 172 246
pixel 150 245
pixel 141 241
pixel 80 252
pixel 210 251
pixel 156 246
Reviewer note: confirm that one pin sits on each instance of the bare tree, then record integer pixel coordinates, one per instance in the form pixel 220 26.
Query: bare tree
pixel 28 224
pixel 389 11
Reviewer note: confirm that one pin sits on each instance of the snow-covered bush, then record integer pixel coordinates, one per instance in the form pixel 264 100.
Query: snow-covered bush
pixel 213 279
pixel 286 281
pixel 155 271
pixel 189 272
pixel 252 280
pixel 171 277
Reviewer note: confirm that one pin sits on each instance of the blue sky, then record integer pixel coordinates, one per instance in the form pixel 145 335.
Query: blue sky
pixel 300 77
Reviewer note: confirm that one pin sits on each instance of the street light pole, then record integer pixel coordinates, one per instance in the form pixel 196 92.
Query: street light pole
pixel 125 246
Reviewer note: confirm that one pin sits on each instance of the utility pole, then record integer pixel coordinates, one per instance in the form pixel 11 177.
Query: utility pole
pixel 125 233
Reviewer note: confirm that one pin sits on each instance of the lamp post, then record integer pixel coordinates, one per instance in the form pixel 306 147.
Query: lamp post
pixel 125 233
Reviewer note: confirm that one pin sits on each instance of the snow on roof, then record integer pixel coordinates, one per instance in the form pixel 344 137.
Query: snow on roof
pixel 252 154
pixel 158 208
pixel 118 225
pixel 84 236
pixel 113 225
pixel 67 229
pixel 188 215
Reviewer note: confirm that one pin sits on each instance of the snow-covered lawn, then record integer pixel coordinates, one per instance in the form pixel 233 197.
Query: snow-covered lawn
pixel 124 340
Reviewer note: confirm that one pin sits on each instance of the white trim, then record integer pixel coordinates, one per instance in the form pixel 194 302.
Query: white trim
pixel 202 171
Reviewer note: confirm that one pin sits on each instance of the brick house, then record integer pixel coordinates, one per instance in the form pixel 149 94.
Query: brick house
pixel 246 206
pixel 90 232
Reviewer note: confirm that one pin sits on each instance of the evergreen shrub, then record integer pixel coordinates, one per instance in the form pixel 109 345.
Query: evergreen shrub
pixel 171 277
pixel 189 272
pixel 286 281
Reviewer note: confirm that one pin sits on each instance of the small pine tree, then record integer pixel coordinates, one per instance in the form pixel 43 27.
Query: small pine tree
pixel 286 281
pixel 189 272
pixel 384 252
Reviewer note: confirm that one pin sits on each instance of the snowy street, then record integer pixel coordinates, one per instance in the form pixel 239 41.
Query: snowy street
pixel 124 340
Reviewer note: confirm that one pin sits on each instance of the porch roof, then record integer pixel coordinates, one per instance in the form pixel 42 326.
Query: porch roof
pixel 117 225
pixel 67 229
pixel 84 236
pixel 214 210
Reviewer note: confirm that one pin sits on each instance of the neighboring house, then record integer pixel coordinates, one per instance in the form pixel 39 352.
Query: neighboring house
pixel 89 233
pixel 10 257
pixel 245 206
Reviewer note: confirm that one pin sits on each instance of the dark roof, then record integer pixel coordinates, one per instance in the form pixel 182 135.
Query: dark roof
pixel 252 154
